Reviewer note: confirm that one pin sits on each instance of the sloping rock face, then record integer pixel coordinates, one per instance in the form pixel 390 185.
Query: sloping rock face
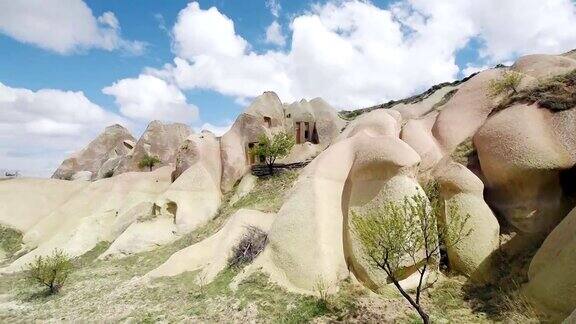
pixel 522 150
pixel 542 66
pixel 115 142
pixel 310 239
pixel 160 140
pixel 24 202
pixel 86 218
pixel 211 255
pixel 551 275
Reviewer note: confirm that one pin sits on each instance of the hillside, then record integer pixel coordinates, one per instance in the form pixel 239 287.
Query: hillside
pixel 153 239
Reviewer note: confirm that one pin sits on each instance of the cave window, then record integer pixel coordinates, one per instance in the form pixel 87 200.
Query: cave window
pixel 315 139
pixel 268 121
pixel 307 131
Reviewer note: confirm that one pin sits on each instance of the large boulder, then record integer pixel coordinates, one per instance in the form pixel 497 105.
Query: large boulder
pixel 462 193
pixel 114 142
pixel 264 116
pixel 24 201
pixel 521 151
pixel 159 140
pixel 376 122
pixel 552 283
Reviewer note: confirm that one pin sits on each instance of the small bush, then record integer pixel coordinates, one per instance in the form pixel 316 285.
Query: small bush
pixel 50 271
pixel 508 82
pixel 253 242
pixel 148 162
pixel 10 240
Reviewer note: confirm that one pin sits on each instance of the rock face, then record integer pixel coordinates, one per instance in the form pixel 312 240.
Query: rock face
pixel 211 255
pixel 542 66
pixel 160 140
pixel 115 142
pixel 314 125
pixel 462 193
pixel 86 218
pixel 521 150
pixel 24 202
pixel 552 283
pixel 264 116
pixel 188 203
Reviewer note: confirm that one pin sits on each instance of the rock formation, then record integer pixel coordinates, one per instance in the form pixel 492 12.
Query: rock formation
pixel 113 144
pixel 159 140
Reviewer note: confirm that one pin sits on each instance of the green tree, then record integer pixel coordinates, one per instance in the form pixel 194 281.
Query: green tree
pixel 393 233
pixel 508 82
pixel 50 271
pixel 277 147
pixel 148 162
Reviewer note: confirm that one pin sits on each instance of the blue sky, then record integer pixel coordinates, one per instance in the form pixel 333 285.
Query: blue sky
pixel 202 63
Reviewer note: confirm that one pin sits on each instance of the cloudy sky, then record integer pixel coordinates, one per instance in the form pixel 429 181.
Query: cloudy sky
pixel 68 68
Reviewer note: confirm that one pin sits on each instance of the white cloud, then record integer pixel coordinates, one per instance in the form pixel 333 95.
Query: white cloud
pixel 353 53
pixel 274 7
pixel 38 129
pixel 63 26
pixel 274 34
pixel 196 29
pixel 147 98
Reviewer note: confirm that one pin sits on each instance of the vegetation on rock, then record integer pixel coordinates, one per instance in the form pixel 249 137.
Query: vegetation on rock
pixel 50 271
pixel 394 233
pixel 508 83
pixel 10 241
pixel 556 94
pixel 274 148
pixel 148 162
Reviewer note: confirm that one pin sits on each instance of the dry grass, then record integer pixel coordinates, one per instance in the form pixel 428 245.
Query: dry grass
pixel 555 94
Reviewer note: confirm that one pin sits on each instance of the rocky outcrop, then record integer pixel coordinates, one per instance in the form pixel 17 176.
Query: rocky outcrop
pixel 552 283
pixel 212 255
pixel 264 116
pixel 462 193
pixel 114 143
pixel 521 151
pixel 86 218
pixel 159 140
pixel 188 203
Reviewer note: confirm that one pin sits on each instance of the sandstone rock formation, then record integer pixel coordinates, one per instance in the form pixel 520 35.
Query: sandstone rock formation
pixel 24 202
pixel 264 116
pixel 211 255
pixel 86 218
pixel 552 283
pixel 462 192
pixel 521 153
pixel 159 140
pixel 115 142
pixel 312 122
